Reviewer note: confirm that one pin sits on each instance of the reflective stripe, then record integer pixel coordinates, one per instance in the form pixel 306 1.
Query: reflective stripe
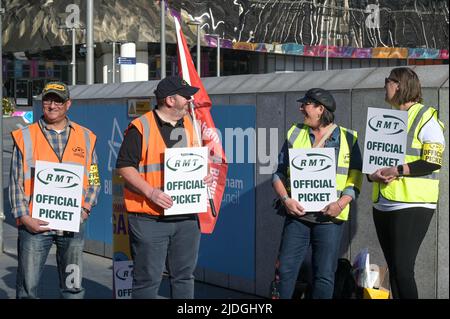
pixel 87 139
pixel 28 147
pixel 412 130
pixel 146 131
pixel 151 168
pixel 295 133
pixel 342 170
pixel 416 152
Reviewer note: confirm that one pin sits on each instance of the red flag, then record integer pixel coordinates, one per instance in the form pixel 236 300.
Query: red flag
pixel 218 165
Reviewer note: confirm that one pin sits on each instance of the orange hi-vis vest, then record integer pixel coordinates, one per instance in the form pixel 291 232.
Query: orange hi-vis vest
pixel 151 165
pixel 34 146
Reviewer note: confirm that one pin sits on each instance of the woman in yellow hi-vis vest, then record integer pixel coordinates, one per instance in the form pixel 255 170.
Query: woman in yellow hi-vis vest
pixel 323 229
pixel 405 196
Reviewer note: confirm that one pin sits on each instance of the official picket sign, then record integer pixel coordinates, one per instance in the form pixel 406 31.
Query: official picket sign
pixel 385 142
pixel 123 278
pixel 57 195
pixel 184 170
pixel 313 177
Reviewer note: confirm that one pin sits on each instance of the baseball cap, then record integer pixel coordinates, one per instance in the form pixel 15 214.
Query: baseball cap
pixel 174 85
pixel 58 88
pixel 320 96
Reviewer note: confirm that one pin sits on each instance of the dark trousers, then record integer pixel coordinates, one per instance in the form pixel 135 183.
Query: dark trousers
pixel 400 234
pixel 152 243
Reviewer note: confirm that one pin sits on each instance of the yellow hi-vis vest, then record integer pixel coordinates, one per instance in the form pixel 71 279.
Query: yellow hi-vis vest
pixel 408 189
pixel 298 137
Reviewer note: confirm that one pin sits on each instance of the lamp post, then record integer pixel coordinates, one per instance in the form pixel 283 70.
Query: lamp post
pixel 218 56
pixel 218 52
pixel 113 62
pixel 2 214
pixel 197 24
pixel 163 39
pixel 90 42
pixel 326 45
pixel 73 62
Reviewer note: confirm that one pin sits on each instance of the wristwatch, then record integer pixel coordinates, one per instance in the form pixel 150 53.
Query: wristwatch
pixel 284 198
pixel 87 211
pixel 400 170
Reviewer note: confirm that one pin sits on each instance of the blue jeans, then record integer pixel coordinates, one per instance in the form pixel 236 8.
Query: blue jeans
pixel 153 242
pixel 325 240
pixel 32 254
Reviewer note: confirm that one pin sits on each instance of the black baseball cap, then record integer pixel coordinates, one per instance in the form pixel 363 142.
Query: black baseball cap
pixel 174 85
pixel 320 96
pixel 58 88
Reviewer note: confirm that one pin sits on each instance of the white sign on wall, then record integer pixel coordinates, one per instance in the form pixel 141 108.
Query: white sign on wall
pixel 386 136
pixel 184 170
pixel 313 177
pixel 57 195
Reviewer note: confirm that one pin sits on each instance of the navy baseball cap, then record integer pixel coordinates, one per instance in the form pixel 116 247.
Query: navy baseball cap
pixel 320 96
pixel 172 85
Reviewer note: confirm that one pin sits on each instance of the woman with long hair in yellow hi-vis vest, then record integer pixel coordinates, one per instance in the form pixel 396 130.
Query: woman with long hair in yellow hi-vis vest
pixel 321 230
pixel 405 196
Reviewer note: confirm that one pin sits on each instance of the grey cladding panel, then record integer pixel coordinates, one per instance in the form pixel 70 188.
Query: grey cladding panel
pixel 310 80
pixel 220 99
pixel 362 227
pixel 375 79
pixel 431 76
pixel 269 114
pixel 346 79
pixel 231 85
pixel 443 215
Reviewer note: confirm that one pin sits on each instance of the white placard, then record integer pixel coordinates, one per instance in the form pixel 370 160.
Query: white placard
pixel 57 194
pixel 123 278
pixel 313 177
pixel 386 136
pixel 184 170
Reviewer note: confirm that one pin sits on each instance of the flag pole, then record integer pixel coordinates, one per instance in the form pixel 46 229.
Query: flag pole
pixel 199 139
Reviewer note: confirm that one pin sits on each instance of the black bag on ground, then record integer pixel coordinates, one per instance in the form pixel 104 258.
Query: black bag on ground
pixel 344 282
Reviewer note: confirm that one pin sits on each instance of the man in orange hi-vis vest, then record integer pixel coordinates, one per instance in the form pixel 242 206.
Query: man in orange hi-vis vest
pixel 155 238
pixel 53 138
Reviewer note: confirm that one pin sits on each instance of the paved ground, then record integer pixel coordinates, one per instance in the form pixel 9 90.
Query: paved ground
pixel 97 276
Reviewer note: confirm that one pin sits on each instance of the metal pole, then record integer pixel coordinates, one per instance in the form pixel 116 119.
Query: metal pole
pixel 326 49
pixel 2 214
pixel 218 55
pixel 199 45
pixel 90 42
pixel 163 39
pixel 114 62
pixel 74 62
pixel 199 51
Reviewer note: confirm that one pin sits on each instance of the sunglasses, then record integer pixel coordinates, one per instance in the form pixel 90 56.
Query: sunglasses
pixel 308 102
pixel 387 80
pixel 49 102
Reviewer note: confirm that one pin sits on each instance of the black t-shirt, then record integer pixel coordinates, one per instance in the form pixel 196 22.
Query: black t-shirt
pixel 131 149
